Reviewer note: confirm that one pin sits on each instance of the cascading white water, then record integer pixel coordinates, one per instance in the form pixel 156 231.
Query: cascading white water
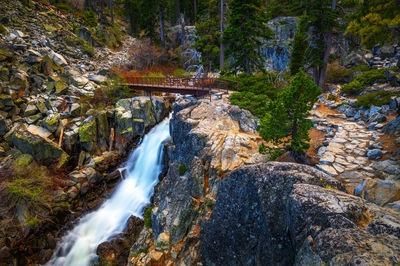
pixel 78 246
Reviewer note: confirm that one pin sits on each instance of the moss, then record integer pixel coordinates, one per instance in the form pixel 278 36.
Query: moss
pixel 50 28
pixel 143 250
pixel 185 223
pixel 147 216
pixel 182 169
pixel 4 74
pixel 88 131
pixel 5 54
pixel 22 161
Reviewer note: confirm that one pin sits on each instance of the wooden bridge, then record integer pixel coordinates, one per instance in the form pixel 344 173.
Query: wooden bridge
pixel 198 87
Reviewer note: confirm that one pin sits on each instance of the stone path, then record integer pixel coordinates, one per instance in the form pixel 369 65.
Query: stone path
pixel 345 148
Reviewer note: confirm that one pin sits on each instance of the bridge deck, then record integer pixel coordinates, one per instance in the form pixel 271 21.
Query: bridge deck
pixel 198 87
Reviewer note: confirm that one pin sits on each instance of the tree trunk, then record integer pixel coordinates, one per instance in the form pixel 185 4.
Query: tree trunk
pixel 221 48
pixel 315 74
pixel 328 44
pixel 195 9
pixel 182 22
pixel 162 35
pixel 110 6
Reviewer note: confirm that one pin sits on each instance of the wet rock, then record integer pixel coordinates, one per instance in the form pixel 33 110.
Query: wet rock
pixel 269 206
pixel 116 250
pixel 44 151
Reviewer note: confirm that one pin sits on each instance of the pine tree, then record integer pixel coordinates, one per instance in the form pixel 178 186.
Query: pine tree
pixel 286 125
pixel 208 36
pixel 244 35
pixel 300 44
pixel 322 15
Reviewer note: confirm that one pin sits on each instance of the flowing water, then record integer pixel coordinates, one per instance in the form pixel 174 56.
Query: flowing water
pixel 78 246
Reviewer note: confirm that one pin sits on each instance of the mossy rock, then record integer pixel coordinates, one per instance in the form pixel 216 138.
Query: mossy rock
pixel 45 152
pixel 22 161
pixel 61 88
pixel 4 74
pixel 88 134
pixel 5 54
pixel 6 102
pixel 103 130
pixel 51 122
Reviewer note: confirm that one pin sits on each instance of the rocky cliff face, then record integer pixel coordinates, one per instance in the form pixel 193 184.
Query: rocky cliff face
pixel 293 214
pixel 271 213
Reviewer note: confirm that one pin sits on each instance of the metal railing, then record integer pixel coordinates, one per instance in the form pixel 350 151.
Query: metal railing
pixel 202 84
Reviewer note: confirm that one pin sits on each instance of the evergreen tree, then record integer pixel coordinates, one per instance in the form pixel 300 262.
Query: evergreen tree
pixel 322 16
pixel 300 44
pixel 244 35
pixel 286 125
pixel 208 36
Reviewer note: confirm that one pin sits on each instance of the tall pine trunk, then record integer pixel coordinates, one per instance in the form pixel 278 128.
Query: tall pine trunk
pixel 110 6
pixel 162 35
pixel 221 55
pixel 328 45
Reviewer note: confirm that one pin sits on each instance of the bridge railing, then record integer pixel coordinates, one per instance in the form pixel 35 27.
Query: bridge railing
pixel 206 84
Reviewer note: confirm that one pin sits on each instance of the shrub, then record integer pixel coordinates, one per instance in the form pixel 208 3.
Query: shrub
pixel 90 18
pixel 254 92
pixel 363 80
pixel 377 98
pixel 338 74
pixel 147 216
pixel 181 73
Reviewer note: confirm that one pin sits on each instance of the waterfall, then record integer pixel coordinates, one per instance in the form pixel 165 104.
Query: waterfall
pixel 78 246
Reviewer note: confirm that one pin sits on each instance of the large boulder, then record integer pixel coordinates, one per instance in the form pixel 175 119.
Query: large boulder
pixel 290 214
pixel 393 127
pixel 44 151
pixel 227 132
pixel 355 58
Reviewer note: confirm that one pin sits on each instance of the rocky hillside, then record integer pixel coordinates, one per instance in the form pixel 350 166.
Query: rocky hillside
pixel 65 124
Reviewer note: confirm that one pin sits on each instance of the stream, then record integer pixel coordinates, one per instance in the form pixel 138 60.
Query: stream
pixel 78 246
